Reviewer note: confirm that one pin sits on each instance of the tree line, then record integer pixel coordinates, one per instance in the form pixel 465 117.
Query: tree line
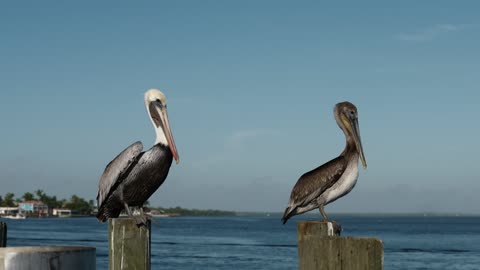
pixel 75 203
pixel 193 212
pixel 84 207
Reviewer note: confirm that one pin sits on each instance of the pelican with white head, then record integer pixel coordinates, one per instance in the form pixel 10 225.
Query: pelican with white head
pixel 156 104
pixel 133 176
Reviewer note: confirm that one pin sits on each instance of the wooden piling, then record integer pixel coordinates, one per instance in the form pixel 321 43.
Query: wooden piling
pixel 129 245
pixel 3 234
pixel 319 247
pixel 48 258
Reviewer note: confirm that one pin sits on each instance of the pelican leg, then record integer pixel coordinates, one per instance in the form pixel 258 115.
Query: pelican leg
pixel 139 220
pixel 322 211
pixel 128 210
pixel 337 228
pixel 147 216
pixel 142 218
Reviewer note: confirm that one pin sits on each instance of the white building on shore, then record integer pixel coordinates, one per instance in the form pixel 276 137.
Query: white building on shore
pixel 62 212
pixel 36 207
pixel 8 211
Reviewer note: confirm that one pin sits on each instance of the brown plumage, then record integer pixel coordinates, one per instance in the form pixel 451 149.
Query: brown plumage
pixel 334 179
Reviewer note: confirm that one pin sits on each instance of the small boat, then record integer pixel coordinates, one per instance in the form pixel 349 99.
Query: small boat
pixel 164 215
pixel 17 216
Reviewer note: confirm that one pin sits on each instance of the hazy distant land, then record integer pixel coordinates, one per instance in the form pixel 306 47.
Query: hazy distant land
pixel 83 207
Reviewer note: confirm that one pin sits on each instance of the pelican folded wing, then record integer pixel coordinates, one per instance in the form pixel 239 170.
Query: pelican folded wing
pixel 115 171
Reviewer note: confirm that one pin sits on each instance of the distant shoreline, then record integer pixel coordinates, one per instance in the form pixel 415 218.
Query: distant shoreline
pixel 278 215
pixel 315 213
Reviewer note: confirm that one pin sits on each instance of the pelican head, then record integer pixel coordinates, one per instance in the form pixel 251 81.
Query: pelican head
pixel 156 104
pixel 347 118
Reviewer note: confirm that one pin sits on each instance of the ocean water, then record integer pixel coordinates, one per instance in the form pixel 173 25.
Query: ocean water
pixel 261 242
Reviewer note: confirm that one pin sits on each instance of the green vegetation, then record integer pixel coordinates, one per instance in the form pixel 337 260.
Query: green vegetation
pixel 84 207
pixel 28 196
pixel 9 200
pixel 192 212
pixel 75 203
pixel 79 205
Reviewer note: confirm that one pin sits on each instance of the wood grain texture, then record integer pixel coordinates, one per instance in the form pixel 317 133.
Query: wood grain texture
pixel 129 245
pixel 318 249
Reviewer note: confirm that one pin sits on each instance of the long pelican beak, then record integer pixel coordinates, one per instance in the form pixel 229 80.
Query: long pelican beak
pixel 162 112
pixel 357 139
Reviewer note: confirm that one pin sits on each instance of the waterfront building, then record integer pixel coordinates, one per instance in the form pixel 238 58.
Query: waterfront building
pixel 34 207
pixel 62 212
pixel 7 211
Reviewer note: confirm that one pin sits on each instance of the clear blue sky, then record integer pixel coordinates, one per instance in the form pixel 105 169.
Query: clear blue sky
pixel 251 86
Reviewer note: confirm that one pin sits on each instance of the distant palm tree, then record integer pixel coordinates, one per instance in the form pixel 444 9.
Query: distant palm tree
pixel 28 196
pixel 9 200
pixel 40 194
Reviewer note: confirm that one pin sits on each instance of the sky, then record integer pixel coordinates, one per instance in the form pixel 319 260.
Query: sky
pixel 251 87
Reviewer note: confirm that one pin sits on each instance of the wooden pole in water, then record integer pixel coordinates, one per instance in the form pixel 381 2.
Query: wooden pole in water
pixel 129 245
pixel 320 247
pixel 48 258
pixel 3 234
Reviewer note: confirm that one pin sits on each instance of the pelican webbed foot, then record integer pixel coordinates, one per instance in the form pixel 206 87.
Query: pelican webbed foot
pixel 141 219
pixel 337 228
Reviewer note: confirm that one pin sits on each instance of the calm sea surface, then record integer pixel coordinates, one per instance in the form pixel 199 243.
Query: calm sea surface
pixel 253 242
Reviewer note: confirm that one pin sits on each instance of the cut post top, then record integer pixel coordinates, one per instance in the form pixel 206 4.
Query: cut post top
pixel 321 247
pixel 307 229
pixel 129 244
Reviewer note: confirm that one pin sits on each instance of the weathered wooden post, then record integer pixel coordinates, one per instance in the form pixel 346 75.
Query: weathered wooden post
pixel 47 258
pixel 129 245
pixel 3 234
pixel 321 247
